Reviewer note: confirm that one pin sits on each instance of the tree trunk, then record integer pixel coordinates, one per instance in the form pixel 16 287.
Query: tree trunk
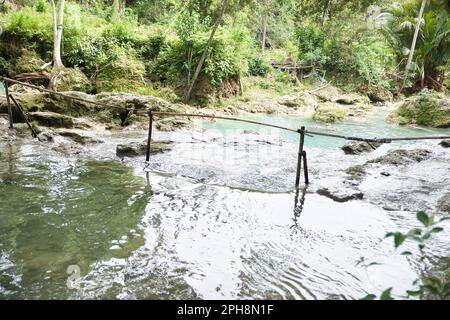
pixel 414 41
pixel 325 11
pixel 57 35
pixel 264 33
pixel 187 96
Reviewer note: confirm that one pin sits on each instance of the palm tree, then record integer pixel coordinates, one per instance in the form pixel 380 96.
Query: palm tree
pixel 432 48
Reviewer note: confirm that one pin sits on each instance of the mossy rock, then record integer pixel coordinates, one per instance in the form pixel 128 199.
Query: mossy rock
pixel 428 108
pixel 74 80
pixel 52 119
pixel 329 113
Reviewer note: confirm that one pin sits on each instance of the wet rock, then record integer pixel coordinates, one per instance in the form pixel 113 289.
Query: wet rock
pixel 340 196
pixel 379 95
pixel 170 124
pixel 445 143
pixel 45 134
pixel 428 108
pixel 356 172
pixel 77 136
pixel 351 98
pixel 358 147
pixel 443 204
pixel 135 149
pixel 401 157
pixel 290 101
pixel 329 112
pixel 52 119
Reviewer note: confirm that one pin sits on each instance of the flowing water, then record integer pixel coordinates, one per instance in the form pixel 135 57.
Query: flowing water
pixel 216 217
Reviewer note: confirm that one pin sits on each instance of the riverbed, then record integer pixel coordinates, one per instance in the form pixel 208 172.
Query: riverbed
pixel 216 217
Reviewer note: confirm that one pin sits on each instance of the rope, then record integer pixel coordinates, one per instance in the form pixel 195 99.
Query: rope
pixel 174 114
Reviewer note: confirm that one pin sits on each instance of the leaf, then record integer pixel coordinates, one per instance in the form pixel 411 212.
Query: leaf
pixel 399 238
pixel 386 295
pixel 423 217
pixel 416 293
pixel 369 297
pixel 406 253
pixel 437 229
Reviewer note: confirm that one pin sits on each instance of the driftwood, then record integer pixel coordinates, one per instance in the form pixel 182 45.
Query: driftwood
pixel 42 78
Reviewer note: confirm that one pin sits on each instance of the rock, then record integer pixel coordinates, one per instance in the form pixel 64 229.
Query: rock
pixel 356 172
pixel 340 196
pixel 351 98
pixel 135 149
pixel 170 124
pixel 401 157
pixel 290 101
pixel 77 136
pixel 328 93
pixel 376 94
pixel 249 131
pixel 428 108
pixel 45 134
pixel 358 147
pixel 443 204
pixel 52 119
pixel 445 143
pixel 329 112
pixel 74 80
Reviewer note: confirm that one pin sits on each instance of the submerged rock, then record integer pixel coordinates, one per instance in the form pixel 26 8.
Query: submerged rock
pixel 135 149
pixel 77 136
pixel 401 157
pixel 358 147
pixel 445 143
pixel 443 204
pixel 340 196
pixel 52 119
pixel 428 108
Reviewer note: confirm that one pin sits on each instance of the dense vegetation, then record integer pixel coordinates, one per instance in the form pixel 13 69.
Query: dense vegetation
pixel 153 47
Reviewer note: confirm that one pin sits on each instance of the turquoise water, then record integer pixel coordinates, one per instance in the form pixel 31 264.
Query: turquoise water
pixel 375 126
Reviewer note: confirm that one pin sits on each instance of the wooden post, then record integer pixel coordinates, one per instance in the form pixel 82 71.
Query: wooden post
pixel 305 168
pixel 299 156
pixel 33 132
pixel 150 128
pixel 11 121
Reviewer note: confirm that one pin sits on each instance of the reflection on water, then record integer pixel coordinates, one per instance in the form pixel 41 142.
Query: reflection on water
pixel 213 218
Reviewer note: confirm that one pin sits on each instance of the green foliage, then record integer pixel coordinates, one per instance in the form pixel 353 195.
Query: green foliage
pixel 311 46
pixel 259 67
pixel 431 285
pixel 432 50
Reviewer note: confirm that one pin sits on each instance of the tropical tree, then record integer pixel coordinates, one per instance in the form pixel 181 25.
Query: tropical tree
pixel 432 46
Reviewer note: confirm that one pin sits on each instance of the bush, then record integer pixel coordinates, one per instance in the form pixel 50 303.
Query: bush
pixel 259 67
pixel 122 71
pixel 311 45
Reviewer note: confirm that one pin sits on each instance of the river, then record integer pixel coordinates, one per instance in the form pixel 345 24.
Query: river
pixel 216 217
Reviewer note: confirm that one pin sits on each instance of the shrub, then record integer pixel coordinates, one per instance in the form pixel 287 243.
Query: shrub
pixel 311 45
pixel 259 67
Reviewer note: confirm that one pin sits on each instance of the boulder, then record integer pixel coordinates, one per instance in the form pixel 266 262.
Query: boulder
pixel 445 143
pixel 170 124
pixel 428 108
pixel 401 157
pixel 443 204
pixel 329 112
pixel 340 196
pixel 77 136
pixel 358 147
pixel 74 80
pixel 328 93
pixel 356 172
pixel 290 101
pixel 52 119
pixel 376 94
pixel 351 98
pixel 135 149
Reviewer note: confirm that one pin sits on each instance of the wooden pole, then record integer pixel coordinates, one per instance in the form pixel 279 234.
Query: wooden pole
pixel 299 156
pixel 33 132
pixel 11 121
pixel 149 141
